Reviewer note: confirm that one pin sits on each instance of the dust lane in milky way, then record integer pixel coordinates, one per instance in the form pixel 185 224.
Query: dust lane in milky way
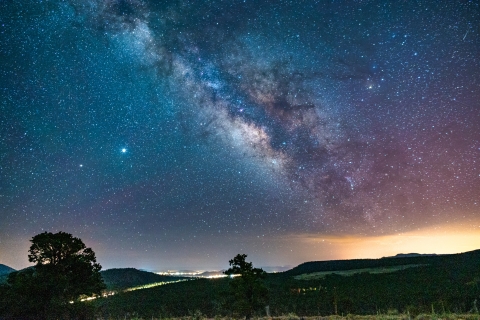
pixel 165 130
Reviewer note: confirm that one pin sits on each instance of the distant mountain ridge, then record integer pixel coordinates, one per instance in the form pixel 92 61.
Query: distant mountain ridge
pixel 207 274
pixel 409 255
pixel 274 269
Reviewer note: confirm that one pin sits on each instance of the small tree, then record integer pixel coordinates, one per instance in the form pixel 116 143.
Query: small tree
pixel 65 269
pixel 247 289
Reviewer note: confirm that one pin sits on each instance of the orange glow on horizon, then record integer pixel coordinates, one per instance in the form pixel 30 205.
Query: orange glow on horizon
pixel 438 239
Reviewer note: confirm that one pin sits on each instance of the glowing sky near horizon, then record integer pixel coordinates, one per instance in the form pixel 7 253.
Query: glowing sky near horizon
pixel 176 134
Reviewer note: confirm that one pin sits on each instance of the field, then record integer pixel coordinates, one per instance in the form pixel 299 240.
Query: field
pixel 346 273
pixel 292 316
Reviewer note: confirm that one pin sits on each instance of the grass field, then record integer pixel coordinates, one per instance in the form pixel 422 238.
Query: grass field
pixel 346 273
pixel 450 316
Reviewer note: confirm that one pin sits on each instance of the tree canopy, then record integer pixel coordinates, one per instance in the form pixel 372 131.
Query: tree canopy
pixel 58 248
pixel 65 270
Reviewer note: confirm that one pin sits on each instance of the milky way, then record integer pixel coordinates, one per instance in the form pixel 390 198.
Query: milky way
pixel 170 126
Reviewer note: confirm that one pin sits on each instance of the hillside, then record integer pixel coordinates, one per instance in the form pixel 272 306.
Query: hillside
pixel 117 279
pixel 343 265
pixel 347 273
pixel 418 284
pixel 5 269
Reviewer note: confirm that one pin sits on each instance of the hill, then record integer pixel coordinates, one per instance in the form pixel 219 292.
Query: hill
pixel 347 273
pixel 5 269
pixel 118 279
pixel 344 265
pixel 416 284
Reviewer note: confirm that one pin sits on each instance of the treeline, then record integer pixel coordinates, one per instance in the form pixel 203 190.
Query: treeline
pixel 444 284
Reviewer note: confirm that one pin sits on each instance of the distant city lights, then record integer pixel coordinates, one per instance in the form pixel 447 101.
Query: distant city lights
pixel 195 274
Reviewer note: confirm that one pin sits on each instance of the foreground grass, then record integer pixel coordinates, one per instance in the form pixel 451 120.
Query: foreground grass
pixel 197 316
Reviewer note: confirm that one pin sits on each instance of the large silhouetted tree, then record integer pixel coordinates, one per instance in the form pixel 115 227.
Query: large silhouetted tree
pixel 65 270
pixel 247 289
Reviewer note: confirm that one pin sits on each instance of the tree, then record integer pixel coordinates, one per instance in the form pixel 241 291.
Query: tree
pixel 247 289
pixel 64 271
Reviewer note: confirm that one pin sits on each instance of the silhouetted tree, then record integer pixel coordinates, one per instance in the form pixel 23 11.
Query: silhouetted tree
pixel 247 288
pixel 65 270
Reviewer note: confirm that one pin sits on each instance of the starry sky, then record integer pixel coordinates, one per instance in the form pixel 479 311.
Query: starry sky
pixel 176 134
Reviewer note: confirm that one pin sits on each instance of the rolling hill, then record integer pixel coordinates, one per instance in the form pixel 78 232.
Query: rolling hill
pixel 343 265
pixel 4 271
pixel 124 278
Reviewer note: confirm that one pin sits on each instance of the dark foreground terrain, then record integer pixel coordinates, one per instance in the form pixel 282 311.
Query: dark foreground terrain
pixel 445 287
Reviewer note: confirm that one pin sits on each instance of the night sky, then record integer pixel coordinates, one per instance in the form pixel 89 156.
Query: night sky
pixel 176 134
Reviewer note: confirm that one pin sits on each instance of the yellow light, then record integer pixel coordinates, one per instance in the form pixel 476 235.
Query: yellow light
pixel 443 239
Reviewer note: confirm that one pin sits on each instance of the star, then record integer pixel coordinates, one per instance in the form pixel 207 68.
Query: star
pixel 276 120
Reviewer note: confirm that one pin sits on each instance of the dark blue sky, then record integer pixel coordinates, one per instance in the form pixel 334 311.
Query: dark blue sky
pixel 179 133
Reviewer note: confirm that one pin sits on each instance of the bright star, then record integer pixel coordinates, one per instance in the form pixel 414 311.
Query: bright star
pixel 124 150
